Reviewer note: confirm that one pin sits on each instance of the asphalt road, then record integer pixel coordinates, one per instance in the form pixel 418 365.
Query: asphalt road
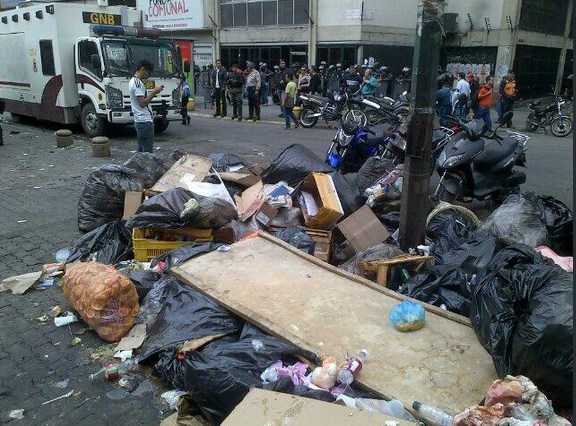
pixel 40 186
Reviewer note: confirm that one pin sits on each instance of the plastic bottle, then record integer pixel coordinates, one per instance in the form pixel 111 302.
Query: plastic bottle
pixel 352 368
pixel 113 371
pixel 433 416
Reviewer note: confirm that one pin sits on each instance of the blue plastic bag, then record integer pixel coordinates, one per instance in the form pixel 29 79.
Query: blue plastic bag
pixel 408 316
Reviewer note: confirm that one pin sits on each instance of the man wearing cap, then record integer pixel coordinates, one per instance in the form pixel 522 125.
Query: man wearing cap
pixel 253 83
pixel 140 103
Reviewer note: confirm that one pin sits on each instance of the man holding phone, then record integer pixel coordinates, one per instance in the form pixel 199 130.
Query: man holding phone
pixel 140 102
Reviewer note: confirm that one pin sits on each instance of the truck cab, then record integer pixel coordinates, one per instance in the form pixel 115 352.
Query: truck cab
pixel 104 65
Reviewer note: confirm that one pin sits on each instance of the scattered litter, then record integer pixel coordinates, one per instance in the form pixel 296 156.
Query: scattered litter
pixel 17 414
pixel 43 318
pixel 408 316
pixel 20 283
pixel 223 247
pixel 123 355
pixel 257 345
pixel 172 398
pixel 44 284
pixel 64 320
pixel 81 332
pixel 67 395
pixel 62 384
pixel 56 311
pixel 37 187
pixel 107 350
pixel 75 341
pixel 134 339
pixel 22 221
pixel 62 254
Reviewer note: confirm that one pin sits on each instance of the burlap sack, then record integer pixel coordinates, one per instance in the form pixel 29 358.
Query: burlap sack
pixel 105 299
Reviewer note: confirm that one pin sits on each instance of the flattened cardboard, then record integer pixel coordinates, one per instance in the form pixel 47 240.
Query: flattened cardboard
pixel 250 201
pixel 326 208
pixel 363 229
pixel 132 200
pixel 188 168
pixel 266 214
pixel 263 407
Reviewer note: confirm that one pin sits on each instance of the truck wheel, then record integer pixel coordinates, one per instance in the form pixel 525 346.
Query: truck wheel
pixel 92 124
pixel 160 125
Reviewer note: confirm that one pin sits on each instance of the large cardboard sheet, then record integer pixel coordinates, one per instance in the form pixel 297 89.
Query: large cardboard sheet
pixel 295 297
pixel 261 407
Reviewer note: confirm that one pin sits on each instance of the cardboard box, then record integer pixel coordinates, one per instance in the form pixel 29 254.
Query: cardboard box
pixel 247 176
pixel 189 168
pixel 319 201
pixel 363 229
pixel 250 201
pixel 323 246
pixel 266 214
pixel 132 200
pixel 263 407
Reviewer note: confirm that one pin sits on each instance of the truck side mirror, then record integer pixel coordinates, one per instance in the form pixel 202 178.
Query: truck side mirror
pixel 186 66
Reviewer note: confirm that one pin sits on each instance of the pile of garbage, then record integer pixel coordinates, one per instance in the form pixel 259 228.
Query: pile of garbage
pixel 511 275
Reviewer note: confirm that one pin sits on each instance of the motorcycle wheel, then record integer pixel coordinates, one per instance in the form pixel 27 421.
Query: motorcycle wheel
pixel 561 126
pixel 306 119
pixel 530 126
pixel 356 116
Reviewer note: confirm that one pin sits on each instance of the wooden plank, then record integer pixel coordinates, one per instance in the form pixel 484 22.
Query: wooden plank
pixel 295 297
pixel 262 407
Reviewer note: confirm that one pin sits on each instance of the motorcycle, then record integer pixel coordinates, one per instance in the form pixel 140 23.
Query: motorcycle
pixel 473 167
pixel 551 115
pixel 385 109
pixel 336 106
pixel 353 145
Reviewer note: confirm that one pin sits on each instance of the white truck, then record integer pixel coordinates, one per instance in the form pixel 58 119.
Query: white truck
pixel 70 62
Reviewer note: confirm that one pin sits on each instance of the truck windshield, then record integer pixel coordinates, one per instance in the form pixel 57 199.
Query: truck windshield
pixel 121 57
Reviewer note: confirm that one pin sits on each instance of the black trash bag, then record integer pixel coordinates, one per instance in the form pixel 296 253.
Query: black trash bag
pixel 373 169
pixel 185 314
pixel 111 243
pixel 559 222
pixel 449 221
pixel 517 221
pixel 349 196
pixel 169 158
pixel 379 251
pixel 522 312
pixel 222 162
pixel 102 199
pixel 285 385
pixel 143 279
pixel 148 167
pixel 293 165
pixel 183 253
pixel 154 300
pixel 167 210
pixel 472 256
pixel 439 285
pixel 297 238
pixel 288 217
pixel 219 375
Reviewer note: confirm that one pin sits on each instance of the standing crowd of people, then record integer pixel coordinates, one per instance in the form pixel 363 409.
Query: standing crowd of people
pixel 468 97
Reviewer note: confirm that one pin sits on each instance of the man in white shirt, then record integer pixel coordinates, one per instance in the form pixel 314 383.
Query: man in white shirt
pixel 462 95
pixel 139 101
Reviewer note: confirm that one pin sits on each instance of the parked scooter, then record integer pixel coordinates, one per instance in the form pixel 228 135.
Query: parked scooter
pixel 337 106
pixel 473 167
pixel 551 115
pixel 353 145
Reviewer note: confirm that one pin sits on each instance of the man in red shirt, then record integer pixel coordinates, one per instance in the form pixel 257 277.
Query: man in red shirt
pixel 485 103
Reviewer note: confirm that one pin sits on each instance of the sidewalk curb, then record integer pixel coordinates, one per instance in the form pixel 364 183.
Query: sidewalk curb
pixel 202 115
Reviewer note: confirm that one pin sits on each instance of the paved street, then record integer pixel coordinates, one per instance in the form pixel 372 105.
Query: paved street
pixel 40 187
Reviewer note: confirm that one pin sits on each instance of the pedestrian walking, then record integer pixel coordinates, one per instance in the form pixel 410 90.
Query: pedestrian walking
pixel 474 87
pixel 184 102
pixel 253 84
pixel 485 95
pixel 288 101
pixel 462 95
pixel 508 93
pixel 315 86
pixel 140 103
pixel 218 79
pixel 444 102
pixel 236 82
pixel 264 84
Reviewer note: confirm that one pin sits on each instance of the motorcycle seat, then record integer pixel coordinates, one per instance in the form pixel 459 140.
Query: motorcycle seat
pixel 493 152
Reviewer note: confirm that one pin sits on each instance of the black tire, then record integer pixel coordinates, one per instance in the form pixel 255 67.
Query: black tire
pixel 530 126
pixel 561 126
pixel 160 125
pixel 92 124
pixel 305 118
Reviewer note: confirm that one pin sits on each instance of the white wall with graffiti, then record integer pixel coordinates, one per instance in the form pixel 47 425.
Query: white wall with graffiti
pixel 172 14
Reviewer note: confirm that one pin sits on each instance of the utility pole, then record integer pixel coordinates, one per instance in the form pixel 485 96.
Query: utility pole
pixel 415 194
